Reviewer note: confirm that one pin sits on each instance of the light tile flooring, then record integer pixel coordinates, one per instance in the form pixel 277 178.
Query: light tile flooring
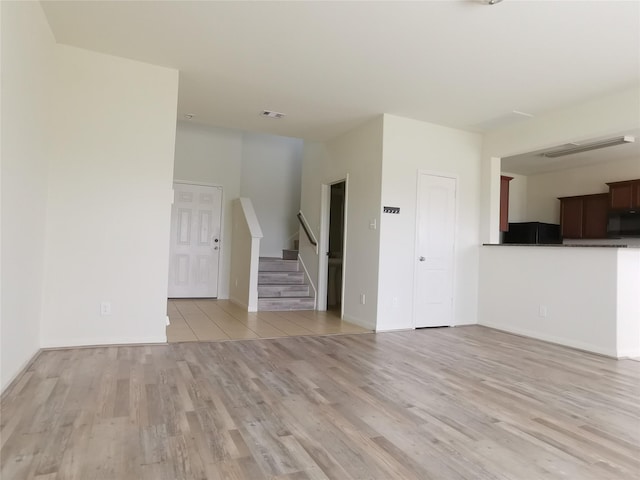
pixel 195 320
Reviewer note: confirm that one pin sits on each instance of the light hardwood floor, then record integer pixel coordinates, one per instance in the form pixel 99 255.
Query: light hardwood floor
pixel 208 320
pixel 446 404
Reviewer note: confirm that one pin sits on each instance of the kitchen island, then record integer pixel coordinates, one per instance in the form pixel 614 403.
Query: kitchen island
pixel 579 295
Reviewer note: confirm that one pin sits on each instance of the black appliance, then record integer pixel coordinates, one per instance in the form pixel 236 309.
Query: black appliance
pixel 624 223
pixel 532 233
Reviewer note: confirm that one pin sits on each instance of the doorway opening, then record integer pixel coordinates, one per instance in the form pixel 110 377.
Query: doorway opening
pixel 336 246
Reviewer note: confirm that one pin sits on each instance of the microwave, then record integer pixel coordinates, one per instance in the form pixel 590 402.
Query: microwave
pixel 625 223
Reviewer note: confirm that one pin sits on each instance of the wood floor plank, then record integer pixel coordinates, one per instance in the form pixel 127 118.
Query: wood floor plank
pixel 455 403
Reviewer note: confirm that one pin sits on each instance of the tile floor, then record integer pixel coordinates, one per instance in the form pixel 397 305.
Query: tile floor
pixel 195 320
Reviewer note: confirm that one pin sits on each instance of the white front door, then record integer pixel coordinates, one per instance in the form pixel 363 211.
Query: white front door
pixel 433 304
pixel 194 252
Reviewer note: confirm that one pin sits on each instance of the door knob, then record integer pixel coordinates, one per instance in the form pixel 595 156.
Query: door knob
pixel 422 259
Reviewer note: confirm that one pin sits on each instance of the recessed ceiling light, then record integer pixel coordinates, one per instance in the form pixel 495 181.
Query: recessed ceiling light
pixel 189 116
pixel 272 114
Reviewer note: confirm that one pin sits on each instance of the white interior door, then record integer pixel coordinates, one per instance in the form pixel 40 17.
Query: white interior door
pixel 194 253
pixel 433 304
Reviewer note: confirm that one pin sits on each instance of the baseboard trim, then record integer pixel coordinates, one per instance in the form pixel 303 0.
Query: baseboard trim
pixel 585 347
pixel 239 303
pixel 633 353
pixel 359 322
pixel 101 342
pixel 15 379
pixel 391 330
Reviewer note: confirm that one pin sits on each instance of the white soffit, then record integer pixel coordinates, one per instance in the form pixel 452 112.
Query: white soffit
pixel 333 65
pixel 533 163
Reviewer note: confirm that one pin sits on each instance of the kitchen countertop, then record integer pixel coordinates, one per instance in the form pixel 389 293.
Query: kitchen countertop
pixel 562 245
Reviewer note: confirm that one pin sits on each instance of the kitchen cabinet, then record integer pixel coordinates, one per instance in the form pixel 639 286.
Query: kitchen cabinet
pixel 584 216
pixel 595 215
pixel 624 195
pixel 504 202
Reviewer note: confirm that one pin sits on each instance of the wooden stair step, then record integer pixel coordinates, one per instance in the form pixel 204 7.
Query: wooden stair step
pixel 290 254
pixel 280 278
pixel 286 303
pixel 274 264
pixel 274 291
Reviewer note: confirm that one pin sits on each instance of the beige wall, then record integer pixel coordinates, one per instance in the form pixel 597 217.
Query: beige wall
pixel 410 146
pixel 109 200
pixel 589 296
pixel 358 155
pixel 27 63
pixel 271 171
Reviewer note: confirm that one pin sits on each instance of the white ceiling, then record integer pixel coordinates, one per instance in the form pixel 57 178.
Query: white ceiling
pixel 332 65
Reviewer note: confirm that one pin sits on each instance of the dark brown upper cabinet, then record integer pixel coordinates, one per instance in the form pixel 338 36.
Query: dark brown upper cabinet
pixel 624 195
pixel 584 216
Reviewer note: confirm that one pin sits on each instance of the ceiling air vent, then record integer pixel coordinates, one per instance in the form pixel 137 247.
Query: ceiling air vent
pixel 272 114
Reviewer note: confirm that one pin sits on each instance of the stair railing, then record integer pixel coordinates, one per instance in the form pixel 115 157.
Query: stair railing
pixel 307 229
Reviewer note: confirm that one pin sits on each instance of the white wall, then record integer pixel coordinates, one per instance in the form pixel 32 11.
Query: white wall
pixel 264 168
pixel 409 146
pixel 27 55
pixel 358 154
pixel 271 171
pixel 576 285
pixel 604 116
pixel 518 197
pixel 212 156
pixel 109 200
pixel 245 254
pixel 544 189
pixel 628 303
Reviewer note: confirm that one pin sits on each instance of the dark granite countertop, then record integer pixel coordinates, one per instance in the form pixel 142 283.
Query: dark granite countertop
pixel 562 245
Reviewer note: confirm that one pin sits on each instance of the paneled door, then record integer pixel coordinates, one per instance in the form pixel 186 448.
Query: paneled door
pixel 194 253
pixel 433 297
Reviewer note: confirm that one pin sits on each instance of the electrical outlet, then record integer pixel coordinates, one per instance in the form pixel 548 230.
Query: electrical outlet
pixel 362 299
pixel 542 311
pixel 105 308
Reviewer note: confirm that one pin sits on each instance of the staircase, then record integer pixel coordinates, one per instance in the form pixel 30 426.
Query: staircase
pixel 282 285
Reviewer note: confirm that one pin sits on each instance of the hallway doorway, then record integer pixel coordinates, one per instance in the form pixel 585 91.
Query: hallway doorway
pixel 336 246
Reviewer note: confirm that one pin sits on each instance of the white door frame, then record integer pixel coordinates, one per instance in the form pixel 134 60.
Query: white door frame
pixel 323 244
pixel 416 254
pixel 222 242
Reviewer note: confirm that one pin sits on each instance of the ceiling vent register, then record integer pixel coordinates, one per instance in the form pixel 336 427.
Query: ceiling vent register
pixel 272 114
